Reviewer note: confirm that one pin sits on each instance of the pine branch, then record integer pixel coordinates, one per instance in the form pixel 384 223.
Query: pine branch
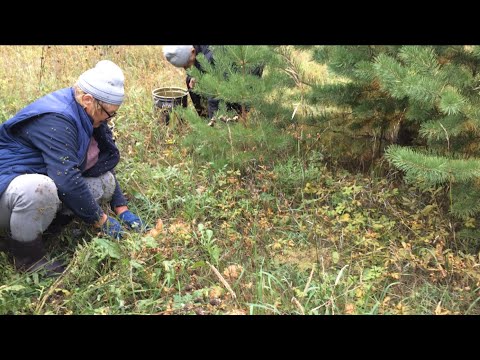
pixel 433 169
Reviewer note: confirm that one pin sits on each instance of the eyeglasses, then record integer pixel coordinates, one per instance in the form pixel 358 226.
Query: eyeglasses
pixel 106 112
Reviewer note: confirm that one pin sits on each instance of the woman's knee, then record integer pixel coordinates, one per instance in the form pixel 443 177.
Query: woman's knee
pixel 102 187
pixel 35 190
pixel 108 180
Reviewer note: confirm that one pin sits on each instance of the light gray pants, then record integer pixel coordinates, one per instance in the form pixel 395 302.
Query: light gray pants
pixel 30 203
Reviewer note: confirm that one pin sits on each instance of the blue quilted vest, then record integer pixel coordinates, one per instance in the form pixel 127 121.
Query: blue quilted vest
pixel 17 159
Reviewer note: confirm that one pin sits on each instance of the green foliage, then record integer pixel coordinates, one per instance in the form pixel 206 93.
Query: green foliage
pixel 439 81
pixel 231 78
pixel 256 138
pixel 15 298
pixel 432 169
pixel 466 194
pixel 415 95
pixel 208 242
pixel 235 145
pixel 390 73
pixel 293 175
pixel 289 234
pixel 104 248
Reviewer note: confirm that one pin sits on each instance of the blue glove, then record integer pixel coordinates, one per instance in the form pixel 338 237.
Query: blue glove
pixel 112 228
pixel 132 220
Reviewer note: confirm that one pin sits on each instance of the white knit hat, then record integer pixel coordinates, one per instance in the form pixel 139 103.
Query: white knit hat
pixel 178 55
pixel 104 82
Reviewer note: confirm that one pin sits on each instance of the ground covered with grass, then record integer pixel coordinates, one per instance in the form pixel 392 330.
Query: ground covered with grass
pixel 286 240
pixel 292 235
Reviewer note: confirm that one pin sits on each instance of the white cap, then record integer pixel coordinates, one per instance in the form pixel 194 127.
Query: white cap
pixel 178 55
pixel 104 82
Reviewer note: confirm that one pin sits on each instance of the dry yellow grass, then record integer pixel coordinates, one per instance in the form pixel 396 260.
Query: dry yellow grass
pixel 28 72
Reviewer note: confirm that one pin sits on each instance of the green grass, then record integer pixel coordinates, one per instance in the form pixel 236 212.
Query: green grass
pixel 289 234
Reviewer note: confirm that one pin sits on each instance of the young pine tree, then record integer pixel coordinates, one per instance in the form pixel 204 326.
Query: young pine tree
pixel 440 84
pixel 423 96
pixel 246 79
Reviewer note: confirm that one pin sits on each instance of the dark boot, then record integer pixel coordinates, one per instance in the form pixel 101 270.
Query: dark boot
pixel 3 244
pixel 58 224
pixel 30 257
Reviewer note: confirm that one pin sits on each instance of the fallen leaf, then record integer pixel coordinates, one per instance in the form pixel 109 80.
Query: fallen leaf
pixel 215 292
pixel 350 309
pixel 159 225
pixel 236 312
pixel 232 272
pixel 153 233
